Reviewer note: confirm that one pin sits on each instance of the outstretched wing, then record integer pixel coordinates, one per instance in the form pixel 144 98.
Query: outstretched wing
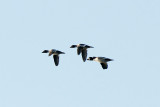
pixel 84 54
pixel 79 50
pixel 104 65
pixel 59 52
pixel 87 46
pixel 56 59
pixel 108 59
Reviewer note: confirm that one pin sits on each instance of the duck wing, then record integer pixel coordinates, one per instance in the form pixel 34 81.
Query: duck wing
pixel 84 54
pixel 56 59
pixel 79 50
pixel 59 52
pixel 104 65
pixel 108 59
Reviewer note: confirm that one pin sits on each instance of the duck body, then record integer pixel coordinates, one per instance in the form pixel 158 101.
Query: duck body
pixel 82 49
pixel 102 60
pixel 55 53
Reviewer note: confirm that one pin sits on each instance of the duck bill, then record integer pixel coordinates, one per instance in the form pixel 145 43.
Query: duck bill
pixel 111 60
pixel 89 59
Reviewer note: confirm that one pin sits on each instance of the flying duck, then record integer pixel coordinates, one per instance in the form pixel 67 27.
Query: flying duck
pixel 102 60
pixel 82 49
pixel 55 55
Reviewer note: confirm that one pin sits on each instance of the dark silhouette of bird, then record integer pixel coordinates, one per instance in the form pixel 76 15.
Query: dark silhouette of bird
pixel 102 60
pixel 82 49
pixel 55 53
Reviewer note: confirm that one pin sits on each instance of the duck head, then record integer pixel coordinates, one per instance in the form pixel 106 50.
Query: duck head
pixel 91 58
pixel 45 51
pixel 73 46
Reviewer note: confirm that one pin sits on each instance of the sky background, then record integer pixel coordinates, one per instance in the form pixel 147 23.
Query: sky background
pixel 127 31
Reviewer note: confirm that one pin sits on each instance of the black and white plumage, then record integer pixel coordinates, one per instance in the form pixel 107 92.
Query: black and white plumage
pixel 55 55
pixel 102 60
pixel 82 49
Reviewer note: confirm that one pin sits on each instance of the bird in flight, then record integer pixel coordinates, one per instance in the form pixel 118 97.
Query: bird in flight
pixel 55 55
pixel 82 49
pixel 102 60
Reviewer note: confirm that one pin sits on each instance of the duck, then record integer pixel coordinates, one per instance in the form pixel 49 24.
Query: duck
pixel 55 53
pixel 102 60
pixel 82 49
